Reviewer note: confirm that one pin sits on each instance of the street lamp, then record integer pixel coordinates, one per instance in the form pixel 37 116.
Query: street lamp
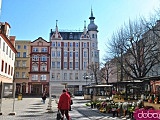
pixel 86 77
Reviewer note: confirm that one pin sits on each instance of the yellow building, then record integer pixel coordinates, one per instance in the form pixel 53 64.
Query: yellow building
pixel 22 66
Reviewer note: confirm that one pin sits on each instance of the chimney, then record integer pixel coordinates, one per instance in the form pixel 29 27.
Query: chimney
pixel 12 40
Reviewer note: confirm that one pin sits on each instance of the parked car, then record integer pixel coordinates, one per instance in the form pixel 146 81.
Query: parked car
pixel 79 93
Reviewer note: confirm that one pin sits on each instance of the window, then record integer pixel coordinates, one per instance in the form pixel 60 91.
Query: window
pixel 43 67
pixel 65 64
pixel 93 45
pixel 76 76
pixel 6 68
pixel 35 58
pixel 53 44
pixel 65 54
pixel 53 76
pixel 18 47
pixel 70 36
pixel 71 44
pixel 43 77
pixel 44 49
pixel 71 76
pixel 92 54
pixel 92 35
pixel 84 45
pixel 58 76
pixel 34 67
pixel 2 67
pixel 85 65
pixel 4 46
pixel 9 68
pixel 66 44
pixel 85 54
pixel 35 50
pixel 53 65
pixel 10 53
pixel 58 54
pixel 77 44
pixel 23 63
pixel 58 64
pixel 17 74
pixel 23 74
pixel 76 65
pixel 24 54
pixel 18 63
pixel 43 58
pixel 7 50
pixel 11 71
pixel 70 65
pixel 76 54
pixel 71 54
pixel 25 47
pixel 58 44
pixel 96 54
pixel 18 54
pixel 53 53
pixel 65 76
pixel 34 77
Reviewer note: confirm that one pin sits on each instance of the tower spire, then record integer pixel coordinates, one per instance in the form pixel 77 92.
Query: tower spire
pixel 92 26
pixel 85 30
pixel 56 26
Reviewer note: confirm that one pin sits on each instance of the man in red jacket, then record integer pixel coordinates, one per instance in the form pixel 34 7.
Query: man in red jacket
pixel 64 104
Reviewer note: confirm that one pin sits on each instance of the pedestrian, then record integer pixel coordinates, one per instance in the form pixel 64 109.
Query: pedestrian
pixel 71 100
pixel 64 104
pixel 91 95
pixel 44 97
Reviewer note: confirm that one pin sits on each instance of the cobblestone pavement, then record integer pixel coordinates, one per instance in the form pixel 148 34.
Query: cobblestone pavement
pixel 34 109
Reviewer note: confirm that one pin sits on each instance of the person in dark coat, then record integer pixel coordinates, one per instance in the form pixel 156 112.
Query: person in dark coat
pixel 64 104
pixel 71 100
pixel 44 97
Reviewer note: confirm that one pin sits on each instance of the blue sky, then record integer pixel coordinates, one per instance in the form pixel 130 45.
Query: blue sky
pixel 30 19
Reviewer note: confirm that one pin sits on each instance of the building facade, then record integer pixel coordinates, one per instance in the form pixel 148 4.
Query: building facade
pixel 39 73
pixel 71 54
pixel 22 66
pixel 7 53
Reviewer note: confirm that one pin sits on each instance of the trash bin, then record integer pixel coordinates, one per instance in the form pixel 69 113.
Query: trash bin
pixel 19 96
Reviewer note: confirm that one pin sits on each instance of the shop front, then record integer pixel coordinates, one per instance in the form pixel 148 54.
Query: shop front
pixel 37 88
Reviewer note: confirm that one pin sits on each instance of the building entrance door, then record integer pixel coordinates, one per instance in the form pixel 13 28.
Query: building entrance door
pixel 37 89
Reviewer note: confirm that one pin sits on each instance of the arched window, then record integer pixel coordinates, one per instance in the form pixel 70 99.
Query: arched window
pixel 35 67
pixel 43 67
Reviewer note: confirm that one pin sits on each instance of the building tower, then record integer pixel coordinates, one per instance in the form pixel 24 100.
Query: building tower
pixel 71 53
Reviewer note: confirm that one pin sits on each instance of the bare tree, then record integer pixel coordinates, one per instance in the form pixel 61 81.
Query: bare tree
pixel 94 69
pixel 106 70
pixel 135 51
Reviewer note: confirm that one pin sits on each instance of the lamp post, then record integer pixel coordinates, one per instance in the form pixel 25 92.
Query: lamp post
pixel 86 77
pixel 50 97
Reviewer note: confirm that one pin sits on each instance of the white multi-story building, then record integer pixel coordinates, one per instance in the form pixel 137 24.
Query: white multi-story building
pixel 7 54
pixel 71 53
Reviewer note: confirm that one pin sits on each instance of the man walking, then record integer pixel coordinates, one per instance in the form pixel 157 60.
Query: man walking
pixel 64 104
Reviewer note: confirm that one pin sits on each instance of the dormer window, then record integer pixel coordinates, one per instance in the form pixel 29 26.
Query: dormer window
pixel 71 36
pixel 35 49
